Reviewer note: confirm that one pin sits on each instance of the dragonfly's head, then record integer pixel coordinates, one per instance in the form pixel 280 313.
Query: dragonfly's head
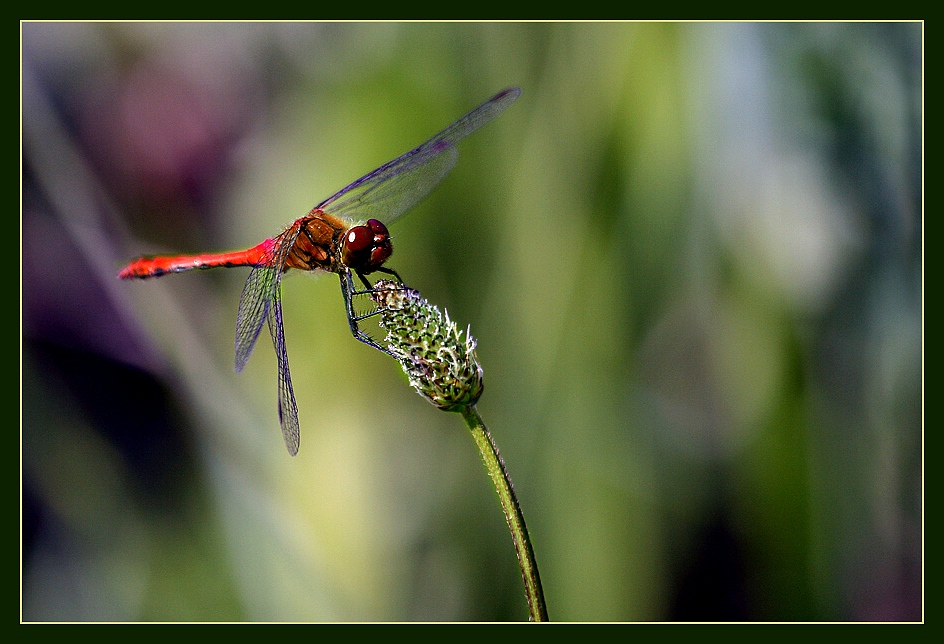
pixel 366 247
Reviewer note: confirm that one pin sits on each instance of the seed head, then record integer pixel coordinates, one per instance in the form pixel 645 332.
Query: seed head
pixel 440 364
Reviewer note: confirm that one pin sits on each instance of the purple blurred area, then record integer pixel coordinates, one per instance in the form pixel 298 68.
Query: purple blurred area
pixel 129 133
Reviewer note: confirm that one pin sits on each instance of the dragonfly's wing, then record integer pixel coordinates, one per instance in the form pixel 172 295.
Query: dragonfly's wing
pixel 395 187
pixel 288 410
pixel 261 289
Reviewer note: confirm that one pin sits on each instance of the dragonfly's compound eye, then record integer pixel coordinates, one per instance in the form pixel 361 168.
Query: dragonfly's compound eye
pixel 366 247
pixel 358 240
pixel 378 228
pixel 381 248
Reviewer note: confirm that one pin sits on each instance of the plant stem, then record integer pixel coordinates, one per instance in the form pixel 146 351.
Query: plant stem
pixel 506 494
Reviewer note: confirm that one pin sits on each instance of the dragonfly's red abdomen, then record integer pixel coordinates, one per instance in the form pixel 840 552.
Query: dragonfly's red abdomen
pixel 145 267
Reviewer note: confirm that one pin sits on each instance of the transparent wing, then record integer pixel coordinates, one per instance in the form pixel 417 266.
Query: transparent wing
pixel 262 287
pixel 397 186
pixel 288 410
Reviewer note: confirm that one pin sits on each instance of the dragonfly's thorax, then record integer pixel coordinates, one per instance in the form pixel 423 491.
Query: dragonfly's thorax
pixel 318 243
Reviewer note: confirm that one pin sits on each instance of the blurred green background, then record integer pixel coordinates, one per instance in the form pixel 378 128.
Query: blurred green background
pixel 691 255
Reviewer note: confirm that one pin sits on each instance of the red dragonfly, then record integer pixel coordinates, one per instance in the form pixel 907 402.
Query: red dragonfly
pixel 334 237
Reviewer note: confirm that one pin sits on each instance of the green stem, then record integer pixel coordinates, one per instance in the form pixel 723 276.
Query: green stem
pixel 506 494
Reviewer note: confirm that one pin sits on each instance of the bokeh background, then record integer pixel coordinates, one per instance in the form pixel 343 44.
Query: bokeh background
pixel 691 255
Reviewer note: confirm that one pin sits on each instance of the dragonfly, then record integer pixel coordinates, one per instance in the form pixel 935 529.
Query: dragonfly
pixel 345 234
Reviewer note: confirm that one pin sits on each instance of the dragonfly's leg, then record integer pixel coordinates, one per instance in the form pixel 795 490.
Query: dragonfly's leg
pixel 369 290
pixel 365 282
pixel 349 291
pixel 390 271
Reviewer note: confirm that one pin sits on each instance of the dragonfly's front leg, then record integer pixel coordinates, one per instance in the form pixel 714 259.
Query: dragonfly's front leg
pixel 368 285
pixel 349 291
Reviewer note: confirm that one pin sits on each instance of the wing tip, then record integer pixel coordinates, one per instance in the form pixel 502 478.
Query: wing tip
pixel 512 92
pixel 292 440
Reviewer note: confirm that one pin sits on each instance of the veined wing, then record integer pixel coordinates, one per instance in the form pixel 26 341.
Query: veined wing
pixel 397 186
pixel 262 288
pixel 288 409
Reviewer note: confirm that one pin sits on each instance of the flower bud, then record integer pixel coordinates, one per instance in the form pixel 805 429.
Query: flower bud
pixel 440 364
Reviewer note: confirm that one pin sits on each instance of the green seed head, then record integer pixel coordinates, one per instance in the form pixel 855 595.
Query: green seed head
pixel 440 364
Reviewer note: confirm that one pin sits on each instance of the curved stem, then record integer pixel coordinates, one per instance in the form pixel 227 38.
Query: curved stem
pixel 506 494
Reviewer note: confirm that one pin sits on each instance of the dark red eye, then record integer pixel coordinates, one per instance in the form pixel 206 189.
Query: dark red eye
pixel 359 239
pixel 366 247
pixel 377 227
